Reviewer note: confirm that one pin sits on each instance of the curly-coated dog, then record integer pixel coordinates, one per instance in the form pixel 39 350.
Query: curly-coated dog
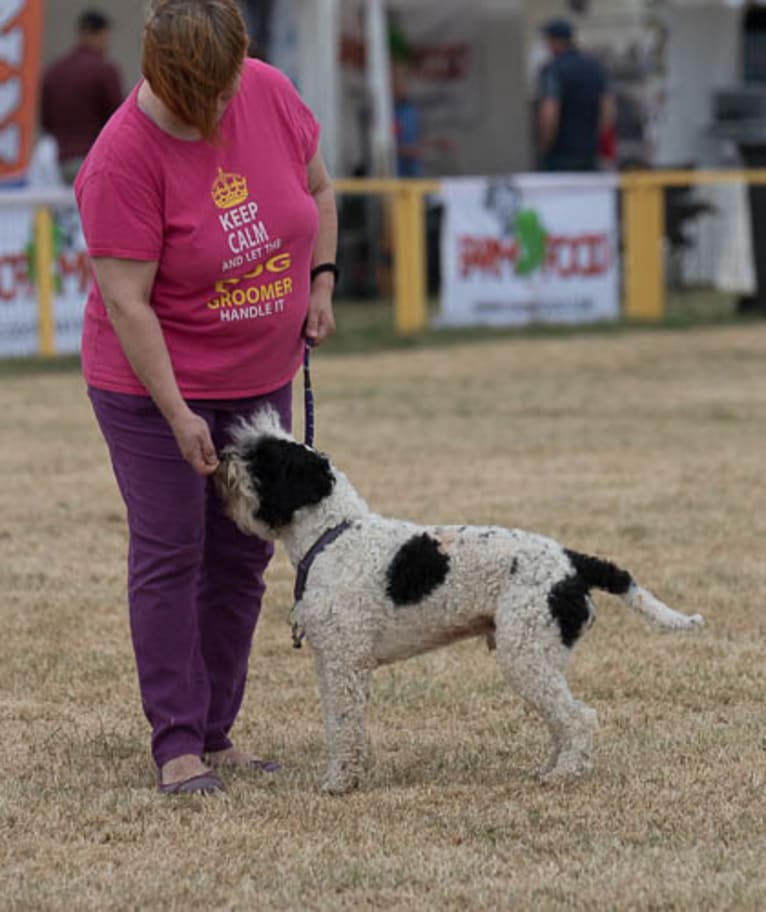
pixel 373 590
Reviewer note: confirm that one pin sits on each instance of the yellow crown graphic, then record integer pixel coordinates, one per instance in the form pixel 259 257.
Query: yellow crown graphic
pixel 229 190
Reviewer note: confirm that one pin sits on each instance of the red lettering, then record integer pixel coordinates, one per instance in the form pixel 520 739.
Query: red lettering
pixel 75 264
pixel 578 255
pixel 566 256
pixel 442 63
pixel 352 52
pixel 14 275
pixel 486 255
pixel 431 62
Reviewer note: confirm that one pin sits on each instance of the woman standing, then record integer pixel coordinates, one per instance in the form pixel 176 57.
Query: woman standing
pixel 211 224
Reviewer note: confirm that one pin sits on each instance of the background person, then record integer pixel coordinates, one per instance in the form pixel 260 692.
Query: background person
pixel 575 108
pixel 80 92
pixel 409 152
pixel 205 204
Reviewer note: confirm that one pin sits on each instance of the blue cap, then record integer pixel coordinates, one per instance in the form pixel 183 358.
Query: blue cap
pixel 558 28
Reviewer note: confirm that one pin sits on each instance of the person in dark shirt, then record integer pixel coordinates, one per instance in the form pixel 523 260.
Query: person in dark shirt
pixel 80 91
pixel 574 104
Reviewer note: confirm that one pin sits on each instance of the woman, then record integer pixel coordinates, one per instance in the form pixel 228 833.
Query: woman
pixel 211 225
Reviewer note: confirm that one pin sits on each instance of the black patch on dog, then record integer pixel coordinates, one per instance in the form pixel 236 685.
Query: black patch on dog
pixel 287 476
pixel 418 568
pixel 568 603
pixel 568 599
pixel 514 566
pixel 488 534
pixel 600 574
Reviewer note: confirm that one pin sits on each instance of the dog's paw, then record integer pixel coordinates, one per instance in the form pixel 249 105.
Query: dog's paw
pixel 339 785
pixel 563 775
pixel 542 771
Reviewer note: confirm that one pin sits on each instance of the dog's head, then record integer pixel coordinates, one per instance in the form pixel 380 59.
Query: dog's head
pixel 265 476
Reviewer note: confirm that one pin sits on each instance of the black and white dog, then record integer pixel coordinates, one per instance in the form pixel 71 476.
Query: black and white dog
pixel 373 590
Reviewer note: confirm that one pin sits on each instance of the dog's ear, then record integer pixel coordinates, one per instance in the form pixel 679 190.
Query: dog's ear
pixel 287 476
pixel 229 474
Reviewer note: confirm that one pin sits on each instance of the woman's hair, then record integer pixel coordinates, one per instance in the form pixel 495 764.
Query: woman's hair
pixel 192 53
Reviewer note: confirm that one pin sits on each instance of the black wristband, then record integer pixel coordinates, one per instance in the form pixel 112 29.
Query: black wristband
pixel 325 267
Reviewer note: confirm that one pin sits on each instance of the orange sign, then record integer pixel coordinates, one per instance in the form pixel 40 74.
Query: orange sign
pixel 20 36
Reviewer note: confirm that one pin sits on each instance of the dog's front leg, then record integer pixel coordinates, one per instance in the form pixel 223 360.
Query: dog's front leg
pixel 343 693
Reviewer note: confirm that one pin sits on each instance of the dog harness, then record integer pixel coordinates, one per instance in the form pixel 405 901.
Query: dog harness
pixel 302 572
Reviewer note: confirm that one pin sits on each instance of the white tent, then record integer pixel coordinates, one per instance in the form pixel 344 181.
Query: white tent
pixel 505 123
pixel 316 29
pixel 322 87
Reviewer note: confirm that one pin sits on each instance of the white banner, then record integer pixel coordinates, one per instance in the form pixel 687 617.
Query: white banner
pixel 534 248
pixel 19 312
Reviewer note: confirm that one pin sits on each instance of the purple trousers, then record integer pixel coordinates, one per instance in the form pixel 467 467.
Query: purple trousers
pixel 195 582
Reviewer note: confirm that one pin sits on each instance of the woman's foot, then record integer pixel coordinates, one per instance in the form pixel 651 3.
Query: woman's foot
pixel 234 759
pixel 187 774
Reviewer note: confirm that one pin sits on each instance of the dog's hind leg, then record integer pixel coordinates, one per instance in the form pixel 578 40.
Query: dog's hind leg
pixel 536 673
pixel 343 694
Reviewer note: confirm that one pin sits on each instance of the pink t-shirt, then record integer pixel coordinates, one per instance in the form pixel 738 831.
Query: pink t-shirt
pixel 232 227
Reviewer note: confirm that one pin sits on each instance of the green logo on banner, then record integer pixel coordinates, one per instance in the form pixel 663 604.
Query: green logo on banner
pixel 531 238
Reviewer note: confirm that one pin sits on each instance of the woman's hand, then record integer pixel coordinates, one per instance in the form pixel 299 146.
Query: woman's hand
pixel 195 443
pixel 126 286
pixel 320 323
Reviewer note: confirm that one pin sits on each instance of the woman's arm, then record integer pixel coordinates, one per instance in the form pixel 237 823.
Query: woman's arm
pixel 126 287
pixel 321 322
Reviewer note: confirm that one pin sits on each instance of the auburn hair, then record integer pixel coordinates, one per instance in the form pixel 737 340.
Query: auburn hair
pixel 192 53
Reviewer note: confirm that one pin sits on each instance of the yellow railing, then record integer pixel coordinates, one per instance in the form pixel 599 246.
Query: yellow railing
pixel 407 196
pixel 46 327
pixel 642 235
pixel 643 216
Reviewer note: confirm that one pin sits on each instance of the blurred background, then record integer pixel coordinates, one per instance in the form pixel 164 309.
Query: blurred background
pixel 442 99
pixel 473 72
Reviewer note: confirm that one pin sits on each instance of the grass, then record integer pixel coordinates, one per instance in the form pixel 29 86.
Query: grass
pixel 368 326
pixel 644 446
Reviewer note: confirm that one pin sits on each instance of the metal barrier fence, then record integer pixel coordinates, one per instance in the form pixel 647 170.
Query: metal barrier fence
pixel 51 260
pixel 408 216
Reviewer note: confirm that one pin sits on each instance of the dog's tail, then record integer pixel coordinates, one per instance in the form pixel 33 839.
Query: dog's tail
pixel 602 574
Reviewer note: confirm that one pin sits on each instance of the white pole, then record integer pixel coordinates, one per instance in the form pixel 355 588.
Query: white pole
pixel 320 77
pixel 328 79
pixel 379 86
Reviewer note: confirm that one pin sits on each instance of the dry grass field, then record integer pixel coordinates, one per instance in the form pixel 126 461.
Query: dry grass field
pixel 646 447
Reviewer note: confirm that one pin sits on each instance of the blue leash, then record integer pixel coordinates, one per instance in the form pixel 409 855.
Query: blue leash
pixel 308 395
pixel 308 411
pixel 329 535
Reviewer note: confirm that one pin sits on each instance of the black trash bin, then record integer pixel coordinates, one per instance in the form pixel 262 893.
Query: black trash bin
pixel 754 156
pixel 753 151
